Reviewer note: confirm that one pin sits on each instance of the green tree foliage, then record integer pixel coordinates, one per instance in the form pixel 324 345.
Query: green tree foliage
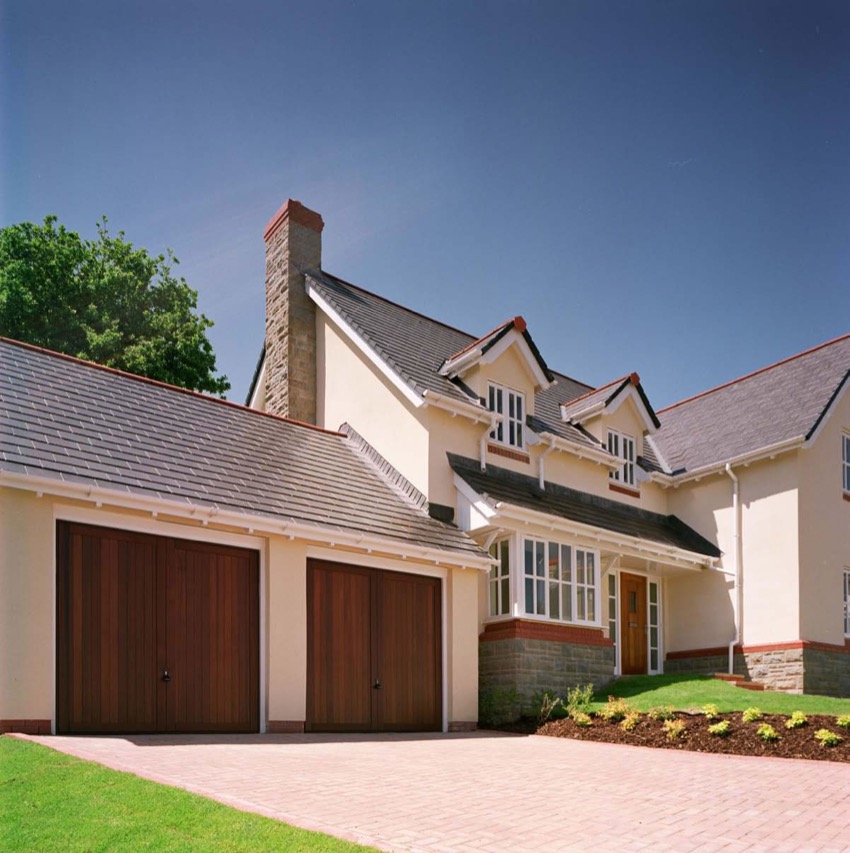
pixel 105 301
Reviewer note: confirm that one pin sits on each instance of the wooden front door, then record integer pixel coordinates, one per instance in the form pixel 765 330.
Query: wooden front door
pixel 374 652
pixel 633 624
pixel 155 634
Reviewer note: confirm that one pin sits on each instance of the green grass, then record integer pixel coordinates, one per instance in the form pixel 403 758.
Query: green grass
pixel 694 691
pixel 51 801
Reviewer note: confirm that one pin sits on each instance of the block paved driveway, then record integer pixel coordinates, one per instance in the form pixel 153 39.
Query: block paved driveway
pixel 488 792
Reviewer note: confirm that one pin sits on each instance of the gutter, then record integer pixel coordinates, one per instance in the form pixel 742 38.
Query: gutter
pixel 472 411
pixel 720 467
pixel 184 509
pixel 603 457
pixel 738 600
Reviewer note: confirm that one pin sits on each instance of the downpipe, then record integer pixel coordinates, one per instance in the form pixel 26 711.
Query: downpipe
pixel 738 600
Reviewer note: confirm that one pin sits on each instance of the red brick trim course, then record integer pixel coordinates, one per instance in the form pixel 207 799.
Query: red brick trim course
pixel 765 647
pixel 526 629
pixel 498 450
pixel 26 727
pixel 285 727
pixel 624 490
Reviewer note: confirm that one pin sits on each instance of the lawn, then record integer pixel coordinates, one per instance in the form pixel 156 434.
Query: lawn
pixel 685 692
pixel 51 801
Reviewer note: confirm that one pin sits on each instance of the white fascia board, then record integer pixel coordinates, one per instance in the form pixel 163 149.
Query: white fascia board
pixel 364 347
pixel 481 504
pixel 603 457
pixel 637 546
pixel 515 338
pixel 658 454
pixel 631 393
pixel 259 385
pixel 205 514
pixel 582 414
pixel 829 410
pixel 473 411
pixel 768 452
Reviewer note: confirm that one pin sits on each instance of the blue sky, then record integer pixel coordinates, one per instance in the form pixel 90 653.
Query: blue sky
pixel 661 187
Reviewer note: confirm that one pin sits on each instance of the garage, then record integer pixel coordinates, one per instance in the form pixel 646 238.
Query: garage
pixel 374 650
pixel 155 633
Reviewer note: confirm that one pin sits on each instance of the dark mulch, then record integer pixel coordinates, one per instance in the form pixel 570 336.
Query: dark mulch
pixel 741 740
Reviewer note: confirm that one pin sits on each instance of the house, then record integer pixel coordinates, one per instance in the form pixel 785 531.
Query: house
pixel 402 517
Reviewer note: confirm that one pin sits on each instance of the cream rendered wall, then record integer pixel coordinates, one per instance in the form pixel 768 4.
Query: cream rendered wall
pixel 462 593
pixel 351 390
pixel 26 606
pixel 824 530
pixel 449 435
pixel 699 607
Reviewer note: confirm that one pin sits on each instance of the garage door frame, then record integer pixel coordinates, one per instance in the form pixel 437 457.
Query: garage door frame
pixel 155 527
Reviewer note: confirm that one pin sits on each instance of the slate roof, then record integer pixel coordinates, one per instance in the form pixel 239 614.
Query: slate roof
pixel 73 421
pixel 415 347
pixel 783 401
pixel 502 485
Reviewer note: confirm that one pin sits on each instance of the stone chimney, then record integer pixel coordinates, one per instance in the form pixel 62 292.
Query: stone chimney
pixel 293 244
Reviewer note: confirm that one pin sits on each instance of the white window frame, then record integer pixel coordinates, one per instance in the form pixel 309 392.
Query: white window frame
pixel 510 404
pixel 498 579
pixel 847 602
pixel 845 462
pixel 560 578
pixel 623 446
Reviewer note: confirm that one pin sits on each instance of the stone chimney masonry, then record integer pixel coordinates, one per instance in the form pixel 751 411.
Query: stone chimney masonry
pixel 293 244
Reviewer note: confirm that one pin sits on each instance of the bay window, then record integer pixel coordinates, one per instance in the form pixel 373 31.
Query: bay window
pixel 561 582
pixel 499 584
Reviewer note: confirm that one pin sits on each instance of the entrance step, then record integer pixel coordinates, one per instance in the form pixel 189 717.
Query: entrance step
pixel 739 681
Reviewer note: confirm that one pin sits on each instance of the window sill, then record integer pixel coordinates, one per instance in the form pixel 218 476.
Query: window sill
pixel 508 452
pixel 634 493
pixel 544 629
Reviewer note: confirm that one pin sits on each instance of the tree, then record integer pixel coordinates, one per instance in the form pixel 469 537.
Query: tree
pixel 105 301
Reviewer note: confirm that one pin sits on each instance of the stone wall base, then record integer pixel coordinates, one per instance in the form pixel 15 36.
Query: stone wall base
pixel 799 667
pixel 519 669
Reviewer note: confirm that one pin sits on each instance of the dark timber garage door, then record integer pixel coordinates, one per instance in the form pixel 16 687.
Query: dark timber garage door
pixel 155 634
pixel 374 655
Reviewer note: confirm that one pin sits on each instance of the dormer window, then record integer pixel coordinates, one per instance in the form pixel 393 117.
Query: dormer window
pixel 623 447
pixel 511 405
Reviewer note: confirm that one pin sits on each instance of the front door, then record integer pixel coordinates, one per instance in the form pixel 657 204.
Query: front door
pixel 633 624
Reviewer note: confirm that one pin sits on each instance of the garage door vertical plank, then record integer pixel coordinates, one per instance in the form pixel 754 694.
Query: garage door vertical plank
pixel 63 658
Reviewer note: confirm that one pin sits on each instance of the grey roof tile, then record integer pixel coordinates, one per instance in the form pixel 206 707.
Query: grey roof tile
pixel 521 490
pixel 775 404
pixel 77 422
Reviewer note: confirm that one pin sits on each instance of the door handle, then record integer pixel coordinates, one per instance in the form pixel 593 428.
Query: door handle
pixel 377 685
pixel 165 676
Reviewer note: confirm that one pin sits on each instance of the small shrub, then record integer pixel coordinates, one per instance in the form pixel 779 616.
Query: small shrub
pixel 843 721
pixel 630 721
pixel 674 728
pixel 827 738
pixel 581 719
pixel 720 729
pixel 498 706
pixel 661 713
pixel 615 710
pixel 710 711
pixel 766 732
pixel 579 699
pixel 750 715
pixel 797 719
pixel 547 705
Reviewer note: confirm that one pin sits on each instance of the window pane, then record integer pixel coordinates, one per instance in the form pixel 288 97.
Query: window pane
pixel 653 660
pixel 566 563
pixel 612 584
pixel 580 567
pixel 506 557
pixel 511 404
pixel 540 563
pixel 567 601
pixel 580 603
pixel 553 561
pixel 512 433
pixel 653 593
pixel 506 596
pixel 529 595
pixel 591 605
pixel 590 559
pixel 519 407
pixel 494 599
pixel 529 557
pixel 541 598
pixel 554 601
pixel 519 435
pixel 653 638
pixel 499 408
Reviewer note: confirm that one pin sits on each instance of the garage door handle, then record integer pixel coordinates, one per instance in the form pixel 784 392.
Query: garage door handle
pixel 165 676
pixel 377 684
